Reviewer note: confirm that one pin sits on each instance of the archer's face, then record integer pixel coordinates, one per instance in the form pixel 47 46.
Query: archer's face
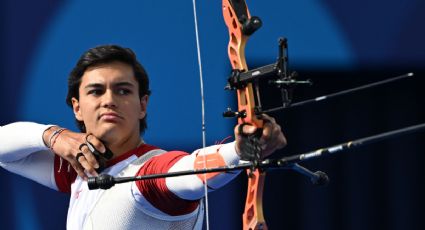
pixel 109 103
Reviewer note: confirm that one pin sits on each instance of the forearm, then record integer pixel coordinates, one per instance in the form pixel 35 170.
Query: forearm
pixel 20 139
pixel 24 152
pixel 192 187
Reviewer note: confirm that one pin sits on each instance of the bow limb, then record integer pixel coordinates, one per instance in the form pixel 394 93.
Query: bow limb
pixel 239 22
pixel 236 52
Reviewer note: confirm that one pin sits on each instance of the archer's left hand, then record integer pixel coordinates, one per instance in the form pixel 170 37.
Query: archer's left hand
pixel 272 137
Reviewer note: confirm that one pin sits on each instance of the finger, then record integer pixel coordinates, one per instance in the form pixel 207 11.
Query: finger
pixel 269 132
pixel 267 118
pixel 283 142
pixel 271 146
pixel 86 166
pixel 268 149
pixel 96 143
pixel 277 140
pixel 280 137
pixel 79 169
pixel 91 159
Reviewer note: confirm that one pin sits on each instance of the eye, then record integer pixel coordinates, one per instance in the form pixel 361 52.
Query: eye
pixel 95 92
pixel 124 91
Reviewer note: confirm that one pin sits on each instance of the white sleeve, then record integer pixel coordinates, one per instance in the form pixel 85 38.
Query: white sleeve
pixel 191 187
pixel 22 151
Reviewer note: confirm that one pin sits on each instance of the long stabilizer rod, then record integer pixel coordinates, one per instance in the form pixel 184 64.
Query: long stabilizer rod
pixel 105 181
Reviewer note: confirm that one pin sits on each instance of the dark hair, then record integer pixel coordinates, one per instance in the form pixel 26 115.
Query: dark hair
pixel 102 55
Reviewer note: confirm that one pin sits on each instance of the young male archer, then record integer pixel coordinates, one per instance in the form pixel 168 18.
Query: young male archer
pixel 108 91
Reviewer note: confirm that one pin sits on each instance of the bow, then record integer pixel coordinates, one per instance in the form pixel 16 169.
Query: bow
pixel 241 25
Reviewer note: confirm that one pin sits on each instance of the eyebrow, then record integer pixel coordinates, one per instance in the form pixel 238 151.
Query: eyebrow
pixel 125 83
pixel 118 84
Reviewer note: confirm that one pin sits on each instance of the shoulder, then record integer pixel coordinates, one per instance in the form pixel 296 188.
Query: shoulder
pixel 166 158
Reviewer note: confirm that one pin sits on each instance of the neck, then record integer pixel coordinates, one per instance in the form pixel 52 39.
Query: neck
pixel 123 146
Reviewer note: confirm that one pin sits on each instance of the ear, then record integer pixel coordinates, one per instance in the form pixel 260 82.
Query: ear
pixel 143 106
pixel 76 109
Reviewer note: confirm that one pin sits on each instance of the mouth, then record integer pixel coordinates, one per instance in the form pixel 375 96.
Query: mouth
pixel 110 117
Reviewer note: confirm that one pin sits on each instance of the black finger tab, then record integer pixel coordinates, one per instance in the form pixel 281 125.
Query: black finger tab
pixel 100 158
pixel 81 146
pixel 108 154
pixel 80 154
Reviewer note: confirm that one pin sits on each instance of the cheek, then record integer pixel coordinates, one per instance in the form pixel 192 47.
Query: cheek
pixel 87 111
pixel 133 109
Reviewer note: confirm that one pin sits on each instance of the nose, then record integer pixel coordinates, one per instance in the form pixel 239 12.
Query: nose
pixel 109 99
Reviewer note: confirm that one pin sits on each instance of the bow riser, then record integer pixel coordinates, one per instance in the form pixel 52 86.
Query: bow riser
pixel 253 215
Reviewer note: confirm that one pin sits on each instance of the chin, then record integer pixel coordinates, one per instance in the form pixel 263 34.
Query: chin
pixel 109 133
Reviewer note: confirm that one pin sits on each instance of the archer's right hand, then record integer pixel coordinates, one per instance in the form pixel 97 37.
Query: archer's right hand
pixel 72 147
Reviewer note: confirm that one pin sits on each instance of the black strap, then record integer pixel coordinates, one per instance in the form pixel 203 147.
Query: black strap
pixel 250 149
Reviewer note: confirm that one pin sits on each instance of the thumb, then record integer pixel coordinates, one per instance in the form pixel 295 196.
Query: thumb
pixel 244 129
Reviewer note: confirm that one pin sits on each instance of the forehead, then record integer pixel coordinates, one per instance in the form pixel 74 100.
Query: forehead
pixel 109 73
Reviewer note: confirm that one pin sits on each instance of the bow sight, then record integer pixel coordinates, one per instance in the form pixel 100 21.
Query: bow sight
pixel 276 74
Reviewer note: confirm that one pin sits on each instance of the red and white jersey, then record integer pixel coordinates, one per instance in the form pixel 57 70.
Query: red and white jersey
pixel 150 204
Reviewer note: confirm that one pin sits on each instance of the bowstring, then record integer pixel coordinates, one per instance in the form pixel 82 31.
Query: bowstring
pixel 201 81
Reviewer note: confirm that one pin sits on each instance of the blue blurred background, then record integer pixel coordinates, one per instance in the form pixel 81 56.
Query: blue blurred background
pixel 337 44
